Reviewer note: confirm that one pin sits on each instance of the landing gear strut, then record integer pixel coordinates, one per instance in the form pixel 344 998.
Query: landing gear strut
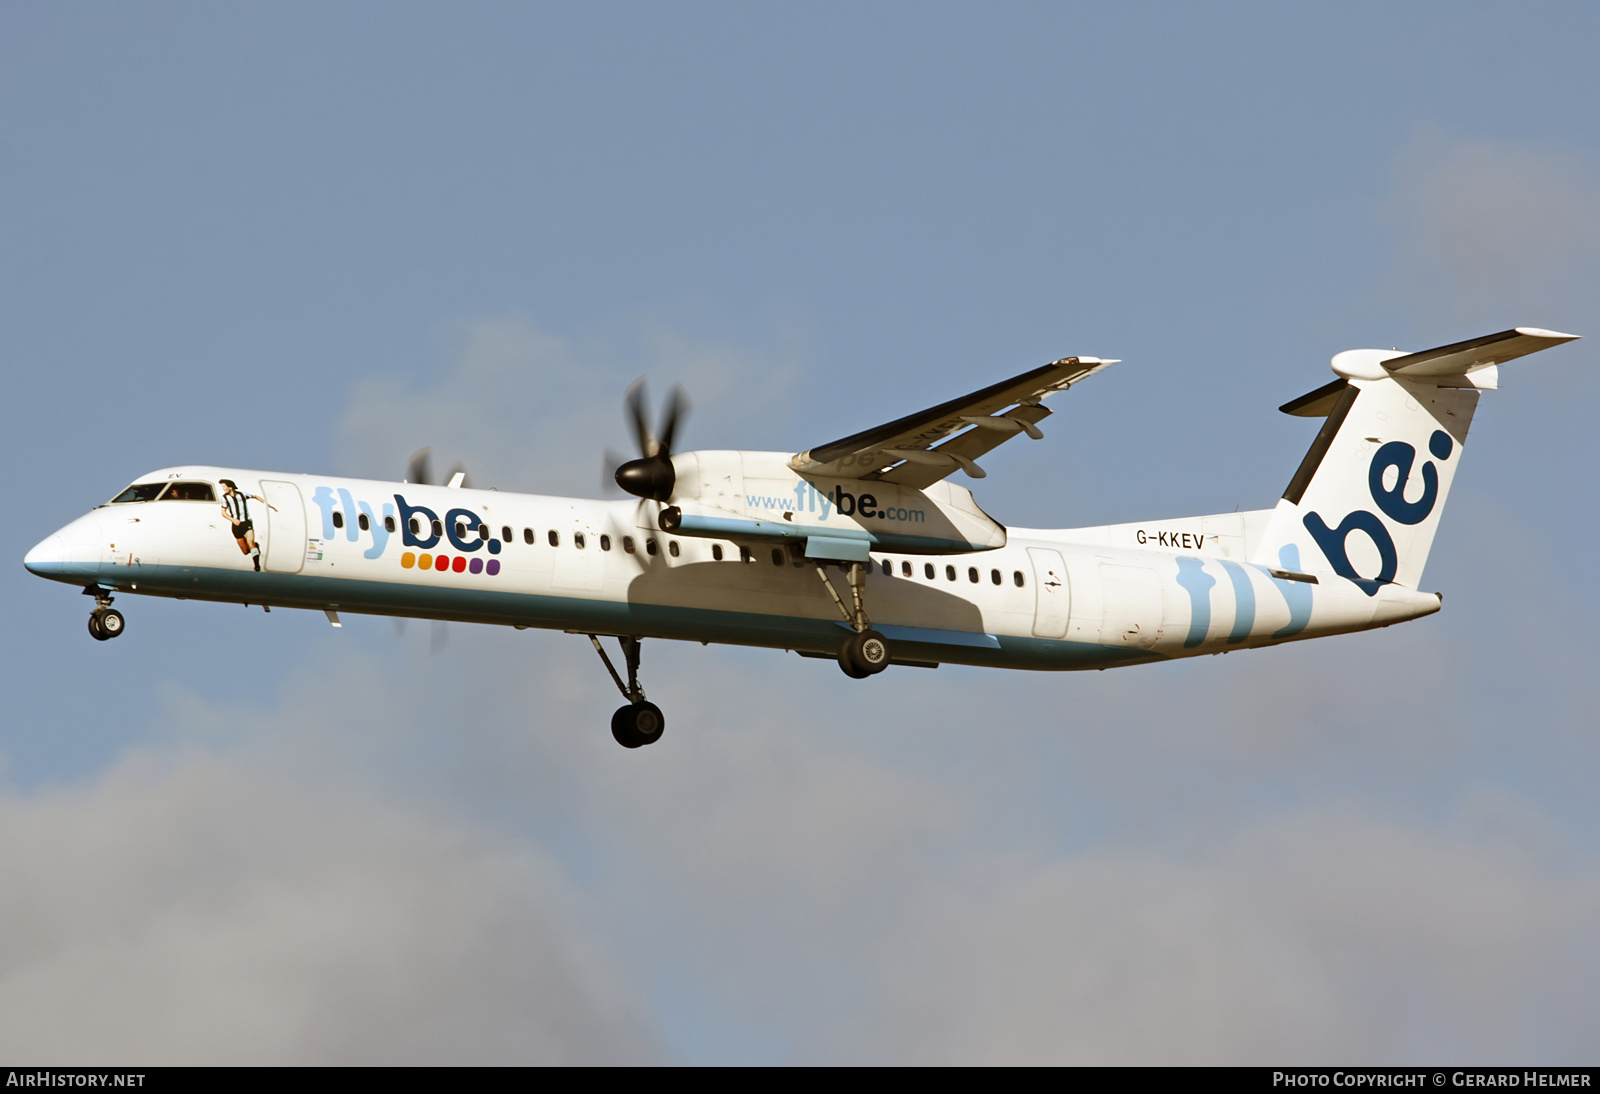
pixel 105 622
pixel 640 722
pixel 866 652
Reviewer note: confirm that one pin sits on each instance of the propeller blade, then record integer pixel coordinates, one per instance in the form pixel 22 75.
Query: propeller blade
pixel 672 414
pixel 639 417
pixel 439 637
pixel 652 474
pixel 418 470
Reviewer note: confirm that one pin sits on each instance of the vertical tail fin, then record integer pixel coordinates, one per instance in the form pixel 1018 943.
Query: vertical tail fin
pixel 1366 500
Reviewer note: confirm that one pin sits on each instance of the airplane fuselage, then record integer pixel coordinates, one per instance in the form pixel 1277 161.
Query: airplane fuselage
pixel 1037 599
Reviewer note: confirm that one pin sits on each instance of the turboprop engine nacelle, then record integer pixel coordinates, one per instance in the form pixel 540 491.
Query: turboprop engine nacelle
pixel 755 497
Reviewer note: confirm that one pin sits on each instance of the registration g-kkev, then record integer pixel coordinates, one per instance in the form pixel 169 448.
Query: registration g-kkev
pixel 861 550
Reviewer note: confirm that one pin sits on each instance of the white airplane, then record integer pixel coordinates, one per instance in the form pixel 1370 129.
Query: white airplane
pixel 737 547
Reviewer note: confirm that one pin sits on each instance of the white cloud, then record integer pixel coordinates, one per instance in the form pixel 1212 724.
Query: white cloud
pixel 824 869
pixel 1316 938
pixel 190 908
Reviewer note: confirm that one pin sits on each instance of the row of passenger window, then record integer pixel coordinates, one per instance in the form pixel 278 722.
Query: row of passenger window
pixel 580 541
pixel 929 572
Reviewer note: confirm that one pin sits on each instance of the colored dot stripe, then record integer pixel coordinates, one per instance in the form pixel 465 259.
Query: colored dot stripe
pixel 446 564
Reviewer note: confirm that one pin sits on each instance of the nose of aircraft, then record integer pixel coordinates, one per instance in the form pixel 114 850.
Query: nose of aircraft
pixel 71 553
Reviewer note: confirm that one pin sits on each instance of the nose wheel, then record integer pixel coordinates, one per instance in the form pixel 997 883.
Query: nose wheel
pixel 105 622
pixel 640 722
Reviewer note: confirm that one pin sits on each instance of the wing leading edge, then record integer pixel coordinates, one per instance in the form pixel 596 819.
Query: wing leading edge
pixel 919 449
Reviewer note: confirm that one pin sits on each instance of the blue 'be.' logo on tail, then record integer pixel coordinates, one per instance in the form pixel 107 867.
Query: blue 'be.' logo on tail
pixel 1392 502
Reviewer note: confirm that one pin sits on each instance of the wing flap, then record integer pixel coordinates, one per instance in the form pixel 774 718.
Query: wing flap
pixel 912 448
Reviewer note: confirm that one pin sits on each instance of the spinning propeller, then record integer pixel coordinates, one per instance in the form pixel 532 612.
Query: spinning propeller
pixel 651 476
pixel 419 470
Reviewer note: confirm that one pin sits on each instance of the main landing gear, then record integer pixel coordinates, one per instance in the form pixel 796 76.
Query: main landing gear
pixel 866 652
pixel 105 622
pixel 640 722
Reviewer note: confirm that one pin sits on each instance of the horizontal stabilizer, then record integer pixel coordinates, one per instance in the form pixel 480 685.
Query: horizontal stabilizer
pixel 1472 363
pixel 1462 357
pixel 1318 403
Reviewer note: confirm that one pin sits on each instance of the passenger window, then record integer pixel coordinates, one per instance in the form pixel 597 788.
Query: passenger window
pixel 745 555
pixel 605 543
pixel 1016 578
pixel 950 573
pixel 505 533
pixel 461 529
pixel 888 570
pixel 438 527
pixel 190 491
pixel 905 568
pixel 338 519
pixel 716 552
pixel 627 544
pixel 145 491
pixel 649 546
pixel 527 536
pixel 927 568
pixel 577 540
pixel 994 576
pixel 972 574
pixel 483 532
pixel 388 524
pixel 672 548
pixel 553 537
pixel 777 556
pixel 415 527
pixel 363 523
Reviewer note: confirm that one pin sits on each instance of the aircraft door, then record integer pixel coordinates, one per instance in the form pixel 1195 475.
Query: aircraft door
pixel 1052 593
pixel 286 524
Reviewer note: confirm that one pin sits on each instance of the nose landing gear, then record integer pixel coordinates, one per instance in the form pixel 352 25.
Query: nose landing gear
pixel 865 653
pixel 640 722
pixel 105 622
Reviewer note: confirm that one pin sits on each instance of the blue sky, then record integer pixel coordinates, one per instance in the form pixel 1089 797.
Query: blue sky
pixel 318 237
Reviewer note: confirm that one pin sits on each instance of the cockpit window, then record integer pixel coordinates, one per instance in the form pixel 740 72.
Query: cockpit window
pixel 140 491
pixel 190 491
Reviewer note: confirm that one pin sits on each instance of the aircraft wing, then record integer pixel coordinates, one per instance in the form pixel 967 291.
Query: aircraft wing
pixel 920 449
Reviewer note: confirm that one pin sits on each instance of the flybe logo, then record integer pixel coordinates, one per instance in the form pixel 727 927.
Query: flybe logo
pixel 1391 501
pixel 808 499
pixel 462 530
